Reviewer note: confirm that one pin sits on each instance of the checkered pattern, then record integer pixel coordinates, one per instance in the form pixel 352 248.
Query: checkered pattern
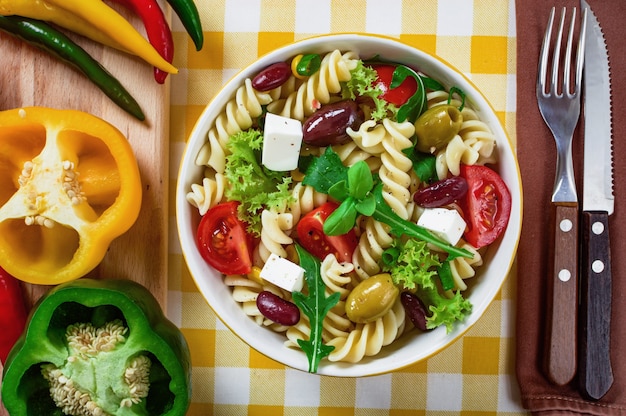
pixel 474 376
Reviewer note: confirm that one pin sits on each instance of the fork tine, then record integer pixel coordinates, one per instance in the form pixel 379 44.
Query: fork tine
pixel 580 53
pixel 556 58
pixel 545 50
pixel 567 70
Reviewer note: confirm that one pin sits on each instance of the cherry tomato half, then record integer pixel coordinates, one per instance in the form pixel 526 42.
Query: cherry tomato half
pixel 311 235
pixel 223 241
pixel 398 95
pixel 487 205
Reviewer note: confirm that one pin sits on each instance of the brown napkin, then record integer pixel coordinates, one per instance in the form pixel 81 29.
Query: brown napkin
pixel 536 152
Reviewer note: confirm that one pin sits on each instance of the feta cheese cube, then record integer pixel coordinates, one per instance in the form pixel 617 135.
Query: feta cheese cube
pixel 282 138
pixel 283 273
pixel 445 223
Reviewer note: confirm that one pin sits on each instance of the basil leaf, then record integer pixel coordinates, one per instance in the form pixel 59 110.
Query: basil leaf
pixel 360 180
pixel 367 205
pixel 339 191
pixel 341 220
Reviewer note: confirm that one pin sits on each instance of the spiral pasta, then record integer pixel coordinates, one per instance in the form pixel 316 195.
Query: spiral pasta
pixel 369 338
pixel 207 195
pixel 317 89
pixel 238 115
pixel 394 172
pixel 373 241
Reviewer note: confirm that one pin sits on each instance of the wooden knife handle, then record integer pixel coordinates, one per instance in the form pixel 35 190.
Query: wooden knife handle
pixel 596 375
pixel 563 297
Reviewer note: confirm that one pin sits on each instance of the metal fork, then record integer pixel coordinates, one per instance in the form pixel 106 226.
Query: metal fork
pixel 559 104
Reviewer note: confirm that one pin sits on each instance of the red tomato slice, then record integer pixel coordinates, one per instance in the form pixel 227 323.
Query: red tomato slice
pixel 311 235
pixel 487 205
pixel 223 241
pixel 398 95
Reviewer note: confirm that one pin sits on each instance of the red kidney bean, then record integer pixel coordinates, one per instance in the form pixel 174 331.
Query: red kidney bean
pixel 415 309
pixel 277 309
pixel 328 125
pixel 441 193
pixel 272 77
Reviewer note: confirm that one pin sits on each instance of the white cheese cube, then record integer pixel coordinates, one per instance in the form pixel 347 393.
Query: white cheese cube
pixel 283 273
pixel 445 223
pixel 282 138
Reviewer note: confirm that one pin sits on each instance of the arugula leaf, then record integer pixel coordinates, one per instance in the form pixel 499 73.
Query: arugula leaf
pixel 325 171
pixel 457 90
pixel 315 306
pixel 400 226
pixel 424 164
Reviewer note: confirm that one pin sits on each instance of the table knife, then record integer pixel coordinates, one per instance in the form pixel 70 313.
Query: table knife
pixel 595 373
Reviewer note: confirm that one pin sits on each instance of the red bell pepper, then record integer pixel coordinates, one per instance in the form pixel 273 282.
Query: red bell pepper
pixel 12 313
pixel 157 29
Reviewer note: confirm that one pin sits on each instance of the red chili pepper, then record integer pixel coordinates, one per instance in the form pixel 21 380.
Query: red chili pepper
pixel 12 313
pixel 157 29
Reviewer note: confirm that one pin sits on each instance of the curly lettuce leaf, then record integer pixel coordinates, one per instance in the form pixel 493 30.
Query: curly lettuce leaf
pixel 362 83
pixel 415 268
pixel 250 183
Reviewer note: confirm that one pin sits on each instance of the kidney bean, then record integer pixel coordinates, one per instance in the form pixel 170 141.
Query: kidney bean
pixel 272 77
pixel 277 309
pixel 441 193
pixel 327 126
pixel 415 309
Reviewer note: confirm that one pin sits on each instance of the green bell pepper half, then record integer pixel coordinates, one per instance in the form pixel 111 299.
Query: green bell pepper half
pixel 85 310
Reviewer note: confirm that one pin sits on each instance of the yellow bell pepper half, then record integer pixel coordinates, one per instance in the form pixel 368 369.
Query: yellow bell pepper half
pixel 69 185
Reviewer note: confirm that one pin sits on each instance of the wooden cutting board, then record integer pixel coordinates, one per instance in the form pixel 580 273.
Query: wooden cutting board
pixel 30 77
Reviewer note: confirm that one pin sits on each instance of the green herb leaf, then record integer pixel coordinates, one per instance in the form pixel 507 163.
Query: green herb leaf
pixel 400 226
pixel 424 164
pixel 325 171
pixel 445 275
pixel 367 205
pixel 415 105
pixel 456 90
pixel 432 84
pixel 360 180
pixel 339 191
pixel 315 305
pixel 342 219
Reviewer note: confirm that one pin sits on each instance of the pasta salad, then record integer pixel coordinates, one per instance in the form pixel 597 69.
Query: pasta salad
pixel 347 202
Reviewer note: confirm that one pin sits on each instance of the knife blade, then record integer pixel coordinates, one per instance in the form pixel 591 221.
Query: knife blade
pixel 595 372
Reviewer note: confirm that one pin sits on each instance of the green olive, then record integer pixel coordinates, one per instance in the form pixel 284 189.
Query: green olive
pixel 436 127
pixel 371 299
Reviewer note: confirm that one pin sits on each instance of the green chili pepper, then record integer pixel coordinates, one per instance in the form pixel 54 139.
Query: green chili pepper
pixel 190 18
pixel 309 64
pixel 94 346
pixel 48 39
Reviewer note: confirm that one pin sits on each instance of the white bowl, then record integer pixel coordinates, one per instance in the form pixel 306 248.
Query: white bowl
pixel 409 349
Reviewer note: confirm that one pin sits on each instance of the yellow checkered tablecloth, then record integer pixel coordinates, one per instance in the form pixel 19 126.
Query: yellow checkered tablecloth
pixel 475 375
